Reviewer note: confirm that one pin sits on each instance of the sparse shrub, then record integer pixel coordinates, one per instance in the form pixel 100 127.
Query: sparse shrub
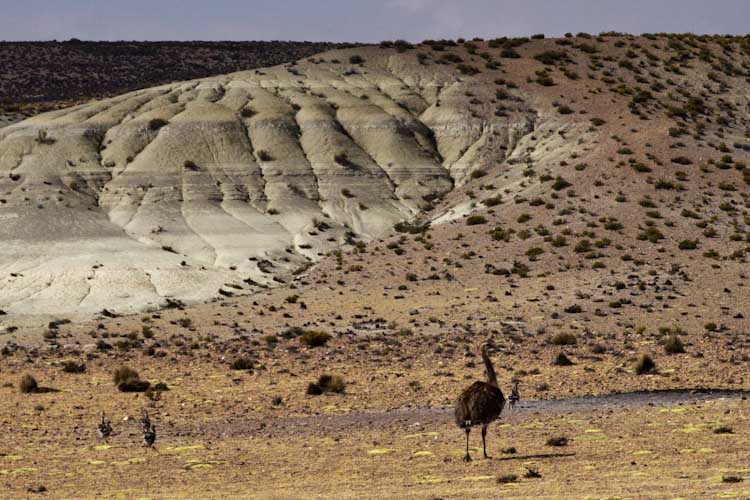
pixel 710 327
pixel 124 373
pixel 724 429
pixel 73 367
pixel 270 339
pixel 242 363
pixel 28 384
pixel 415 227
pixel 560 184
pixel 557 441
pixel 466 69
pixel 127 380
pixel 645 365
pixel 507 478
pixel 688 244
pixel 314 338
pixel 673 345
pixel 559 241
pixel 493 201
pixel 474 220
pixel 564 338
pixel 583 246
pixel 651 234
pixel 327 383
pixel 356 59
pixel 682 160
pixel 573 309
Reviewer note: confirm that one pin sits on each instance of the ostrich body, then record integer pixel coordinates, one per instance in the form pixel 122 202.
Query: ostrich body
pixel 104 428
pixel 514 397
pixel 145 421
pixel 149 436
pixel 480 404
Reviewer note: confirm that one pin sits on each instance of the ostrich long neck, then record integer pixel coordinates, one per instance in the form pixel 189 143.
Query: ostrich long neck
pixel 491 377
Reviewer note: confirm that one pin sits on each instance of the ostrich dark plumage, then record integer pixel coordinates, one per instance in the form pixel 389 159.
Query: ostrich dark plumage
pixel 480 404
pixel 514 397
pixel 145 421
pixel 104 428
pixel 149 436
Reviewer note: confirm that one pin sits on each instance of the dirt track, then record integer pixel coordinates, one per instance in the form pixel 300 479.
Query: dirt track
pixel 418 417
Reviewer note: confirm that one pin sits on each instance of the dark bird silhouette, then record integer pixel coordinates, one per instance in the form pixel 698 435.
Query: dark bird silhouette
pixel 514 397
pixel 145 421
pixel 480 404
pixel 149 436
pixel 104 428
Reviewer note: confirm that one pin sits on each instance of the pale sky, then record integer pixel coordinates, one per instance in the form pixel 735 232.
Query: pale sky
pixel 358 20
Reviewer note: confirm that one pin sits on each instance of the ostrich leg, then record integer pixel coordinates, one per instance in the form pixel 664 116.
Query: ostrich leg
pixel 467 458
pixel 484 440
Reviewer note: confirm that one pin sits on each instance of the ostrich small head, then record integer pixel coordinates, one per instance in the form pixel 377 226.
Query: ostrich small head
pixel 489 369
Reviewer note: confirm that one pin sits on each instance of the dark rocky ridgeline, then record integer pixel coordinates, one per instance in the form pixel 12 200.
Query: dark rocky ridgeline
pixel 38 76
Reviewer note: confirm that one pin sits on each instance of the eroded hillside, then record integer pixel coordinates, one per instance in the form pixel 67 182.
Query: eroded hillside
pixel 222 185
pixel 561 153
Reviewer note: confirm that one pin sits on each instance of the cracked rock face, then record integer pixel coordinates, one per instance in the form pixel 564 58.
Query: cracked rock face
pixel 215 187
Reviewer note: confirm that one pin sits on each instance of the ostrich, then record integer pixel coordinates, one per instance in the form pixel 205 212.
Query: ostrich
pixel 480 404
pixel 145 421
pixel 149 436
pixel 514 397
pixel 104 428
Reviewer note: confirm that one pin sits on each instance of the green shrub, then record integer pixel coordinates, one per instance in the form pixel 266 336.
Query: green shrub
pixel 673 345
pixel 651 234
pixel 474 220
pixel 688 244
pixel 314 338
pixel 560 184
